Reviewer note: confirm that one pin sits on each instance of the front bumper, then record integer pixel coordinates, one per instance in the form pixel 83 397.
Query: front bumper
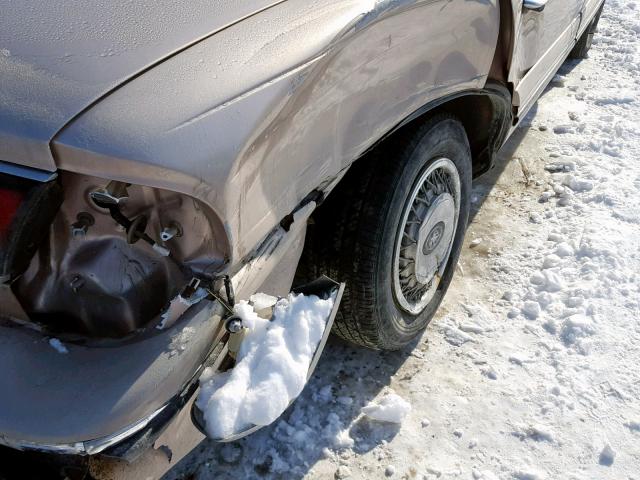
pixel 74 402
pixel 86 400
pixel 89 447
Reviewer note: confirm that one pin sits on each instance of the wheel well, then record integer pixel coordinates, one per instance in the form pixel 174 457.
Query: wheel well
pixel 501 63
pixel 486 117
pixel 483 118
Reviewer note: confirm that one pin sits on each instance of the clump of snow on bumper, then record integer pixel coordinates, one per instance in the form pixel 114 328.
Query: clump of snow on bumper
pixel 178 306
pixel 271 369
pixel 261 301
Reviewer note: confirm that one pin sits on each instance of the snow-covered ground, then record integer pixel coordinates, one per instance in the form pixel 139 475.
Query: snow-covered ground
pixel 531 369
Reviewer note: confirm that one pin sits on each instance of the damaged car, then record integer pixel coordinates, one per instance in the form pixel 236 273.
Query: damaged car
pixel 194 194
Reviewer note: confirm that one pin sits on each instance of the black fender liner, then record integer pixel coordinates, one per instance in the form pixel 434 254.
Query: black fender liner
pixel 486 114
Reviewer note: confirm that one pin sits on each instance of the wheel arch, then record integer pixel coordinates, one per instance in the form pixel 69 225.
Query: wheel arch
pixel 485 114
pixel 503 56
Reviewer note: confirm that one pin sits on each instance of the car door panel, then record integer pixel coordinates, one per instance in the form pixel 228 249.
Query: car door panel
pixel 545 33
pixel 534 81
pixel 590 7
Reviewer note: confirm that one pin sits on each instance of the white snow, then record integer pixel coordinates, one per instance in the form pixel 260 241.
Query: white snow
pixel 342 472
pixel 391 408
pixel 535 218
pixel 564 250
pixel 547 280
pixel 178 306
pixel 343 440
pixel 528 474
pixel 536 433
pixel 575 328
pixel 475 242
pixel 260 301
pixel 271 367
pixel 180 341
pixel 455 336
pixel 483 475
pixel 551 261
pixel 577 184
pixel 58 345
pixel 562 334
pixel 531 309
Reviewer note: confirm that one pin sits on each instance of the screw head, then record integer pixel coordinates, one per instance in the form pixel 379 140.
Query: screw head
pixel 233 325
pixel 78 231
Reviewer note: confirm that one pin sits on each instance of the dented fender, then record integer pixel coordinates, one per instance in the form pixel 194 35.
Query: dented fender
pixel 251 127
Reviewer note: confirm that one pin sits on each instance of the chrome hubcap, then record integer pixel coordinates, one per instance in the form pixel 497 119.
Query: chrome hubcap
pixel 425 235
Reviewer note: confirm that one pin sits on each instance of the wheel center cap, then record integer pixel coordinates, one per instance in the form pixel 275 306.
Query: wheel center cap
pixel 433 238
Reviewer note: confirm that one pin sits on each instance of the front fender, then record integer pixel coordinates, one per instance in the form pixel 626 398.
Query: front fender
pixel 255 117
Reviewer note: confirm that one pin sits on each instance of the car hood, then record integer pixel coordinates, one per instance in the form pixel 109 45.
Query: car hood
pixel 57 58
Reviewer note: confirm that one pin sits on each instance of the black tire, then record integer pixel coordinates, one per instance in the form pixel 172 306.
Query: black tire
pixel 353 236
pixel 581 49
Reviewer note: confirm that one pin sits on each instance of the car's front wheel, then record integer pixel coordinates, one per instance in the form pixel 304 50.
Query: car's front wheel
pixel 393 231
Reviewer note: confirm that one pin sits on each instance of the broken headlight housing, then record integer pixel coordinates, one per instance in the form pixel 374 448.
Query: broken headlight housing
pixel 111 256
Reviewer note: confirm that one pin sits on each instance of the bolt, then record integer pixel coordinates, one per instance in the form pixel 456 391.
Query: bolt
pixel 233 324
pixel 81 226
pixel 168 233
pixel 78 231
pixel 76 283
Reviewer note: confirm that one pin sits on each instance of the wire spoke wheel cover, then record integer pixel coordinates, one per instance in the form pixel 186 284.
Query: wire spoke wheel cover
pixel 425 235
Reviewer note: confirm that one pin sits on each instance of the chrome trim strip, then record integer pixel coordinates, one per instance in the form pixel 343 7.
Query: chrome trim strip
pixel 89 447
